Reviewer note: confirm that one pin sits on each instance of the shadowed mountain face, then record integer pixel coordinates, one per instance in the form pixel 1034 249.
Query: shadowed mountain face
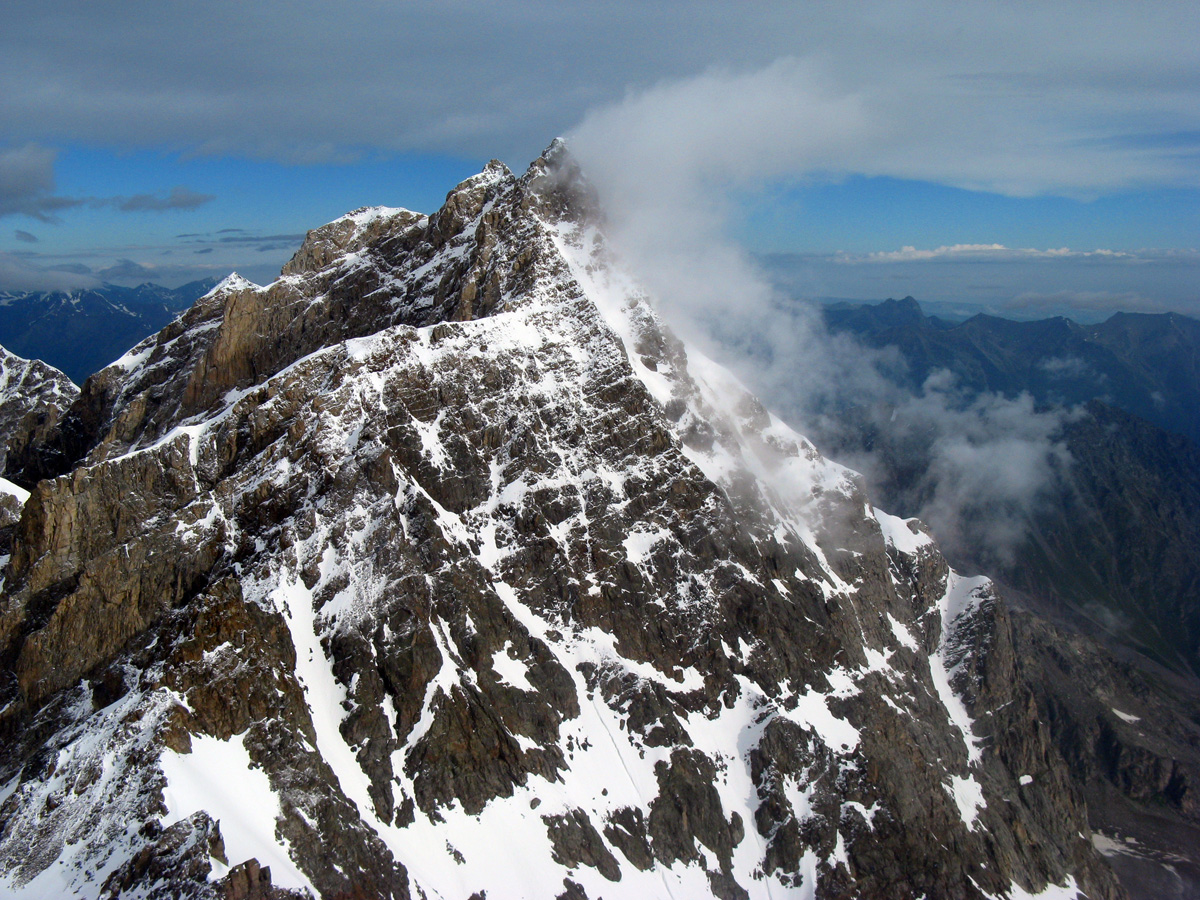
pixel 439 567
pixel 1148 365
pixel 1107 552
pixel 80 332
pixel 1109 542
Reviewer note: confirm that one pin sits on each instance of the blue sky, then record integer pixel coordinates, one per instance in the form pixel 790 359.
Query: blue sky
pixel 253 220
pixel 827 139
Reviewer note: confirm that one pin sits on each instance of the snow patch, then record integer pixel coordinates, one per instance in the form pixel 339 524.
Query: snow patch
pixel 14 490
pixel 902 533
pixel 968 796
pixel 220 778
pixel 511 670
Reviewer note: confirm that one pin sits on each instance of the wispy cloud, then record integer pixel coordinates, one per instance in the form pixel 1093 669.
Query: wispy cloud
pixel 1102 301
pixel 25 237
pixel 27 184
pixel 179 198
pixel 1027 282
pixel 19 274
pixel 992 88
pixel 975 252
pixel 666 162
pixel 188 257
pixel 27 188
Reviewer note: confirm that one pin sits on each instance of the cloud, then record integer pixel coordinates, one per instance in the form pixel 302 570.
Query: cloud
pixel 976 468
pixel 27 189
pixel 72 268
pixel 27 184
pixel 977 252
pixel 1027 283
pixel 1104 301
pixel 187 257
pixel 289 239
pixel 130 272
pixel 1068 367
pixel 179 198
pixel 666 163
pixel 25 237
pixel 17 274
pixel 125 270
pixel 995 90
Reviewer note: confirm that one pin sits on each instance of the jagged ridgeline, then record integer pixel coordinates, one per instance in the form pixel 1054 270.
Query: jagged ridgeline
pixel 439 568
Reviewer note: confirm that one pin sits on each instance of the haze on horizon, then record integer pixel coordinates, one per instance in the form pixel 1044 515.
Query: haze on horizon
pixel 1027 158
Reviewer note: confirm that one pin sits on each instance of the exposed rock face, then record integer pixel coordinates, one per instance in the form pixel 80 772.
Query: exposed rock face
pixel 33 396
pixel 1131 739
pixel 475 582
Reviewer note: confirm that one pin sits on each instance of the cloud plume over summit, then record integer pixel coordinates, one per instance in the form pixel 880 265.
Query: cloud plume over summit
pixel 666 162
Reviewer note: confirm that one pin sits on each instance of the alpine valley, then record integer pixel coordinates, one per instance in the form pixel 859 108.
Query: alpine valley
pixel 439 568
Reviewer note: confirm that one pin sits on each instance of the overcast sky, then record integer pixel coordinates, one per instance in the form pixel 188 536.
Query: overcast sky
pixel 1022 156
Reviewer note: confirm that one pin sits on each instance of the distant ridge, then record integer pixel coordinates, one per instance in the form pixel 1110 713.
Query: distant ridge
pixel 1147 364
pixel 81 331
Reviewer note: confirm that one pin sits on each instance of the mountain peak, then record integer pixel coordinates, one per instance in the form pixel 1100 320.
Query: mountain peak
pixel 443 541
pixel 232 282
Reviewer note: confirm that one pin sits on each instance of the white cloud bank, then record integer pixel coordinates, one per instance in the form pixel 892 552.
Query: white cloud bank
pixel 977 252
pixel 948 89
pixel 666 161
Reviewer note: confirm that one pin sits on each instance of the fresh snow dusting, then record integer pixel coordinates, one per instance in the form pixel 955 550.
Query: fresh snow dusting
pixel 812 711
pixel 136 357
pixel 638 544
pixel 902 634
pixel 220 778
pixel 753 440
pixel 1068 890
pixel 603 756
pixel 368 215
pixel 961 598
pixel 510 669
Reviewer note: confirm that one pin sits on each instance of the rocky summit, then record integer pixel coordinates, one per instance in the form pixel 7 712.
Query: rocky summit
pixel 439 568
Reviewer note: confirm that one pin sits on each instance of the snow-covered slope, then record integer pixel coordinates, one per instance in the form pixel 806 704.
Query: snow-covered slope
pixel 439 568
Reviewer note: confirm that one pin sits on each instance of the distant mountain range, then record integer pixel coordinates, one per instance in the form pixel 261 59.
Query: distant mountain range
pixel 1145 364
pixel 1109 550
pixel 80 332
pixel 1114 539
